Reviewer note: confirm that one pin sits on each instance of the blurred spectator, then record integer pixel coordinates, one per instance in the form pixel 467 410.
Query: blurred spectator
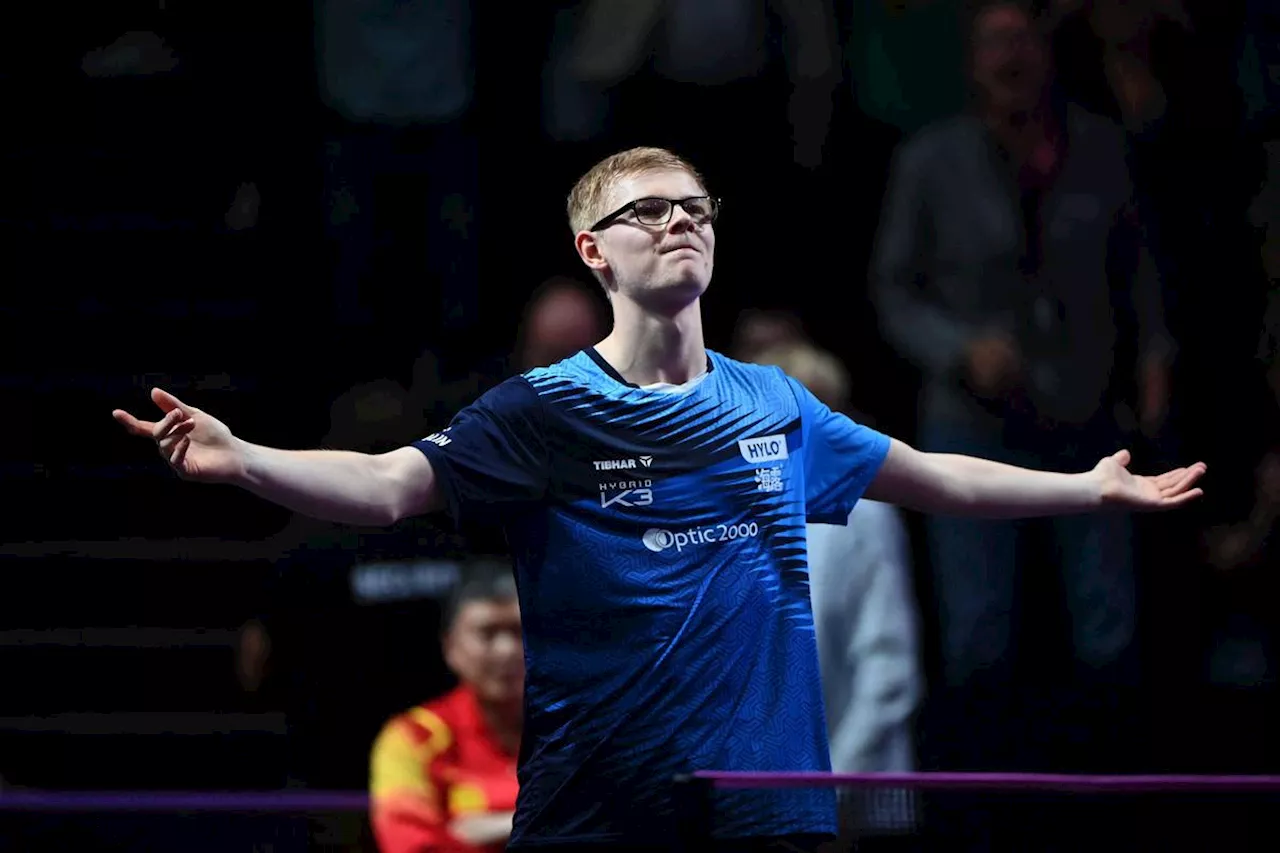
pixel 717 45
pixel 562 317
pixel 865 617
pixel 443 774
pixel 1011 270
pixel 1169 71
pixel 401 163
pixel 758 331
pixel 901 56
pixel 393 62
pixel 1107 53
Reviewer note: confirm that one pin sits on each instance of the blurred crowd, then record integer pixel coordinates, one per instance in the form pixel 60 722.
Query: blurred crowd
pixel 1035 232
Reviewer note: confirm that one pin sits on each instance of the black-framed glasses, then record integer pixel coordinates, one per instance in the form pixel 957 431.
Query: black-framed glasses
pixel 652 210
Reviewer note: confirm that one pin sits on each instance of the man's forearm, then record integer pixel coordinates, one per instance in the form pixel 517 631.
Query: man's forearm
pixel 333 485
pixel 950 484
pixel 986 489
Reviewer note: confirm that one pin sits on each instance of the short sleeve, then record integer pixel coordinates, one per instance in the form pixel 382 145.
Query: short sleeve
pixel 841 458
pixel 493 455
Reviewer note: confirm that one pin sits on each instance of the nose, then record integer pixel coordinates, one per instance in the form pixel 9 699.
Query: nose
pixel 506 644
pixel 681 221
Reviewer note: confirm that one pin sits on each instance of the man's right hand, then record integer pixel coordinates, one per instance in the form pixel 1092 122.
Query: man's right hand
pixel 994 365
pixel 195 444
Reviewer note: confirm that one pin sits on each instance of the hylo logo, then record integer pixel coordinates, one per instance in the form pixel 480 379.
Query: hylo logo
pixel 767 448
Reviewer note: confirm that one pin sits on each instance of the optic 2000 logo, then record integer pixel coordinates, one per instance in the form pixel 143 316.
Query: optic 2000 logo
pixel 658 540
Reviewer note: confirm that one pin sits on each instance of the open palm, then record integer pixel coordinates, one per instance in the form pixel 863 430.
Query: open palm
pixel 196 445
pixel 1122 489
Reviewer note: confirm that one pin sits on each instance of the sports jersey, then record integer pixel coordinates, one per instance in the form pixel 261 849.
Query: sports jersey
pixel 658 537
pixel 431 765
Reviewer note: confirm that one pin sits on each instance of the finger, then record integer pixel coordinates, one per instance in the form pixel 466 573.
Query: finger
pixel 132 425
pixel 1178 475
pixel 1169 478
pixel 166 424
pixel 1179 500
pixel 180 452
pixel 178 433
pixel 166 401
pixel 1187 478
pixel 1122 458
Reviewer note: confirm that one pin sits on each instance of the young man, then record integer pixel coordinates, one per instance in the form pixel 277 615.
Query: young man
pixel 442 775
pixel 655 496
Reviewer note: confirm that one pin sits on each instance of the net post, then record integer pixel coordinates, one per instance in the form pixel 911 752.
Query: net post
pixel 692 796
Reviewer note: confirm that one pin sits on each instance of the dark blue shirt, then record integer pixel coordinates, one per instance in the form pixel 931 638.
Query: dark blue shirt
pixel 659 544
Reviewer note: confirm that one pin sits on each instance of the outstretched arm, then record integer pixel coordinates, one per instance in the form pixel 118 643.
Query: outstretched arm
pixel 950 484
pixel 342 486
pixel 334 485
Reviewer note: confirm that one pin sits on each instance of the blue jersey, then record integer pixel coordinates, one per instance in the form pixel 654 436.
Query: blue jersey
pixel 659 545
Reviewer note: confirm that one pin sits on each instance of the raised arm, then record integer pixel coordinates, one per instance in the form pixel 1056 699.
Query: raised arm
pixel 334 485
pixel 950 484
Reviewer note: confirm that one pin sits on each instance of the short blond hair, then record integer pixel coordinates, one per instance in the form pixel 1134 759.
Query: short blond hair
pixel 814 368
pixel 590 194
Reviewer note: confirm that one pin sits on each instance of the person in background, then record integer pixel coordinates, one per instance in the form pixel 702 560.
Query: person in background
pixel 443 774
pixel 1012 270
pixel 562 317
pixel 867 624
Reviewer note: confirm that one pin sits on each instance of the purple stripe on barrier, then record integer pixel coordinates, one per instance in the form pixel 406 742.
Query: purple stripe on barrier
pixel 351 801
pixel 1012 782
pixel 183 801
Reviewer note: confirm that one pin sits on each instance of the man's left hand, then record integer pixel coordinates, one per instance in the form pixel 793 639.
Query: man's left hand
pixel 1121 489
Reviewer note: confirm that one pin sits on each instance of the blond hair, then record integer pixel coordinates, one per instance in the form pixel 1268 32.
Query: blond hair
pixel 590 194
pixel 814 368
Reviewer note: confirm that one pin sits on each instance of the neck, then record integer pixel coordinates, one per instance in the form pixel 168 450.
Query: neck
pixel 1014 122
pixel 1029 136
pixel 647 347
pixel 505 721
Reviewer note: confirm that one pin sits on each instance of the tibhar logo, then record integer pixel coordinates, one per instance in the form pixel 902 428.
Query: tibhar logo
pixel 658 540
pixel 766 448
pixel 439 438
pixel 614 464
pixel 626 493
pixel 646 461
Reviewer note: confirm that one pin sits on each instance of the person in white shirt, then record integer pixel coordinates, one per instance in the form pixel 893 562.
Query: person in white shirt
pixel 867 624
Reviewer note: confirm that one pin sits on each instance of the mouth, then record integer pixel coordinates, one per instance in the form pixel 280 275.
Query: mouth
pixel 684 248
pixel 1011 77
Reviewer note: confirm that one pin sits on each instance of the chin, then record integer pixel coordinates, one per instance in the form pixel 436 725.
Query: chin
pixel 695 284
pixel 504 692
pixel 673 296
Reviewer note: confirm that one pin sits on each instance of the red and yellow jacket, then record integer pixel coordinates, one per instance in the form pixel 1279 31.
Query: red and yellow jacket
pixel 431 765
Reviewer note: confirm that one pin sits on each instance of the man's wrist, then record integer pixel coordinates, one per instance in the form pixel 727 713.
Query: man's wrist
pixel 1093 489
pixel 249 472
